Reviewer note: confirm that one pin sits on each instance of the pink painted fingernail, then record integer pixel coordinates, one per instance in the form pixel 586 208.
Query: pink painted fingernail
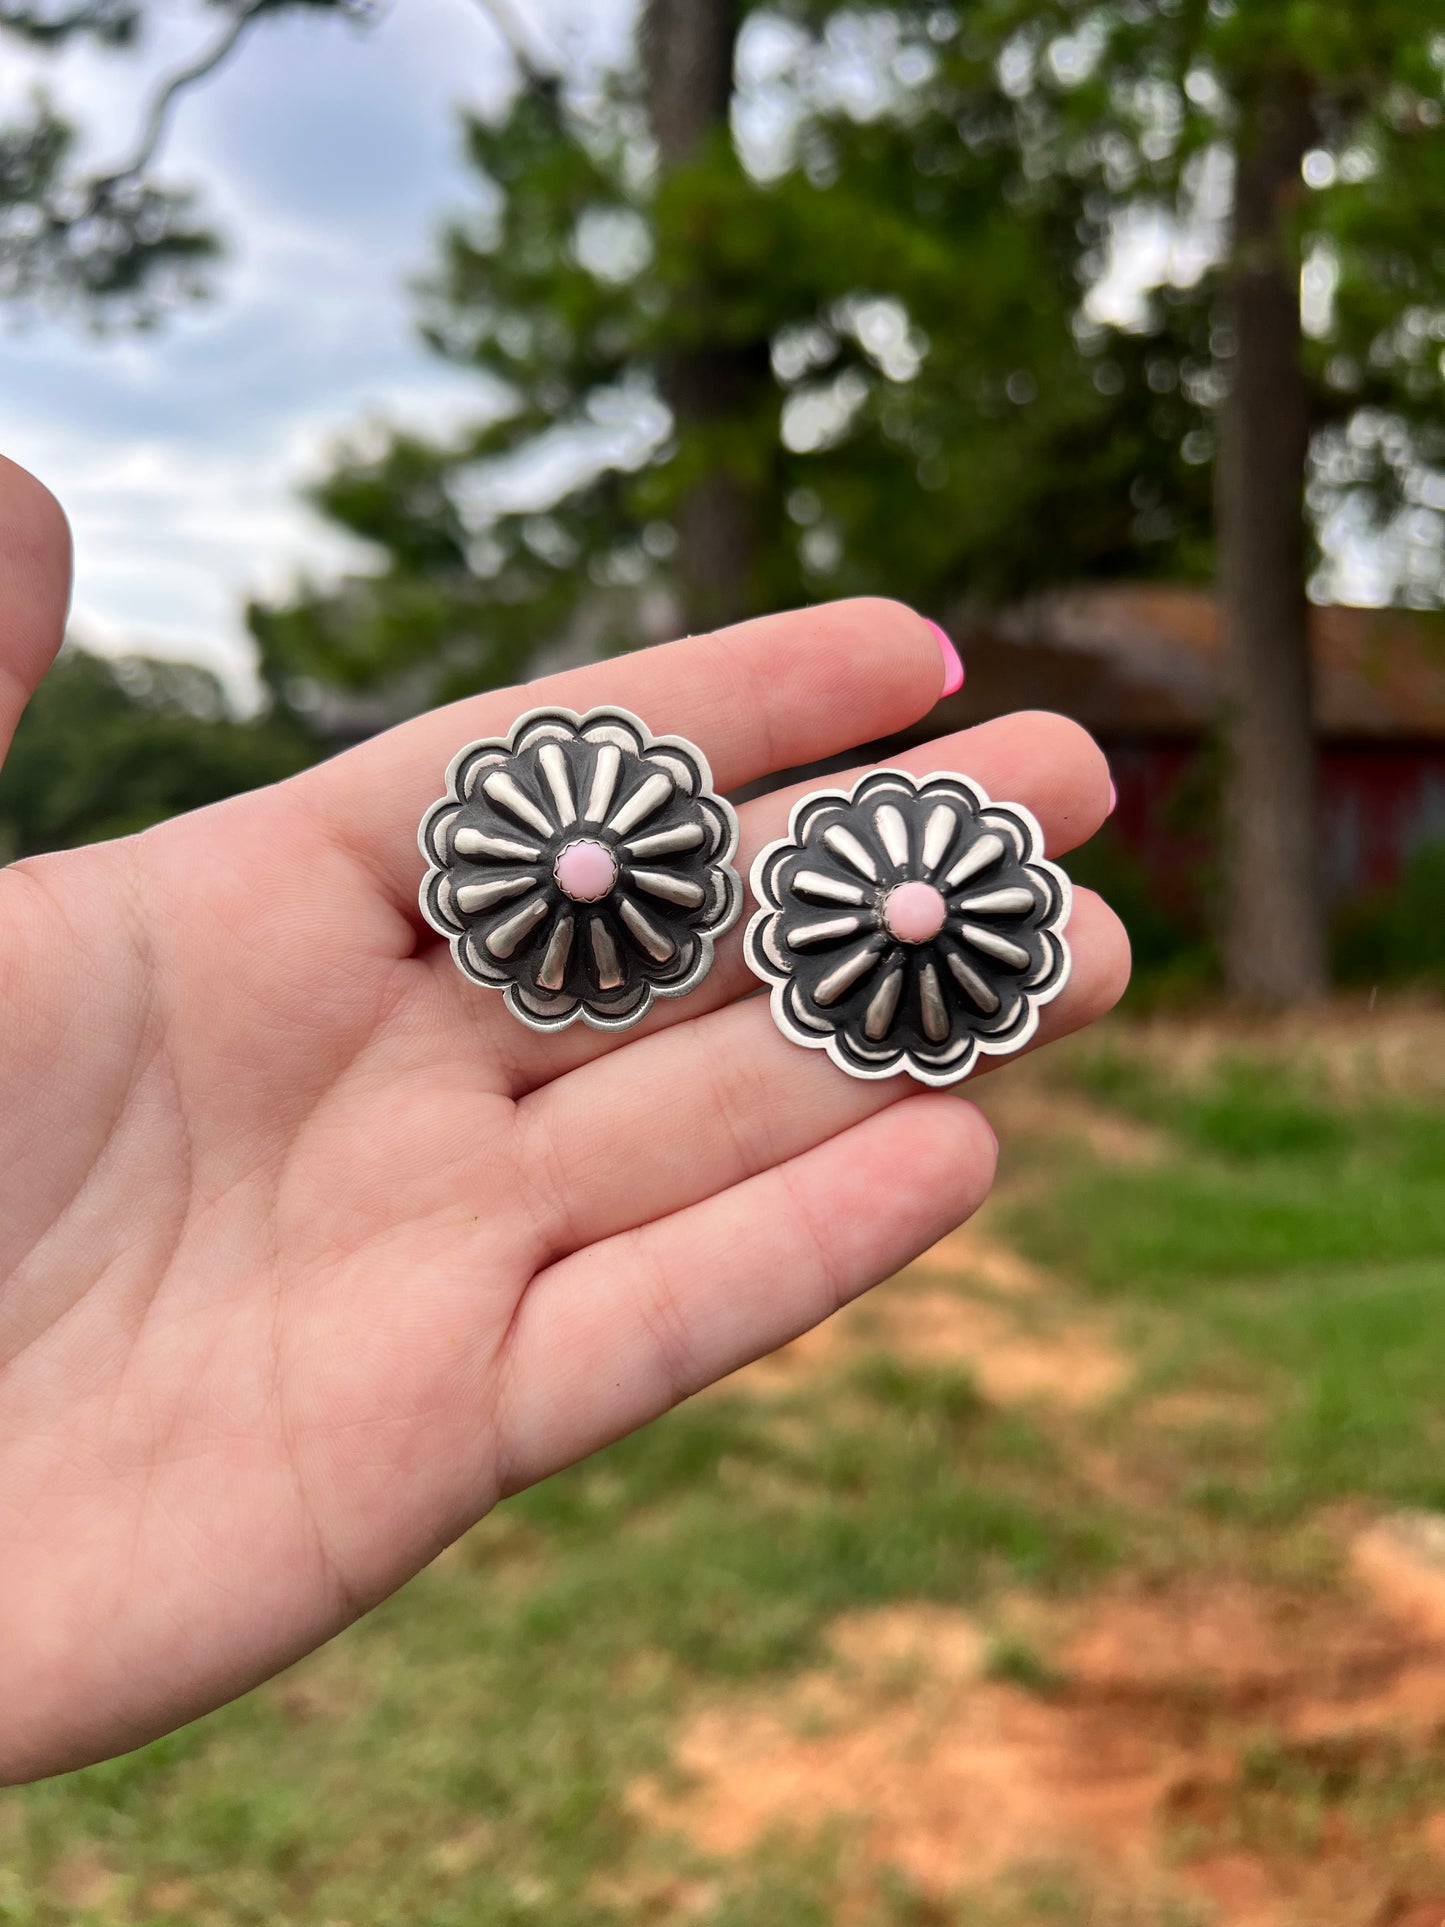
pixel 952 661
pixel 1113 799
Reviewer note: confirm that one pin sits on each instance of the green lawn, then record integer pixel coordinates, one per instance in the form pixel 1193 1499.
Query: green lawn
pixel 1288 1245
pixel 463 1758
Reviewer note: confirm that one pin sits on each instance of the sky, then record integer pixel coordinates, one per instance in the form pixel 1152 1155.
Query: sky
pixel 328 156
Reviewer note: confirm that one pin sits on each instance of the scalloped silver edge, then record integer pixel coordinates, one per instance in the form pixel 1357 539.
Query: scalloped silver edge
pixel 779 981
pixel 707 940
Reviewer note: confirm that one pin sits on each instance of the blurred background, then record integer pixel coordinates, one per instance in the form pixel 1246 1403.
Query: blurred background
pixel 1095 1571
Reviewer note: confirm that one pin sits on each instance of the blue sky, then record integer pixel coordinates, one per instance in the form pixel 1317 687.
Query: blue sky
pixel 328 155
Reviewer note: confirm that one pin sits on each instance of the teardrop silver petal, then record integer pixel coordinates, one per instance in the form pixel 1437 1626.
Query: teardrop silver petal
pixel 471 897
pixel 669 888
pixel 508 795
pixel 826 889
pixel 845 845
pixel 644 801
pixel 882 1006
pixel 502 941
pixel 986 851
pixel 658 945
pixel 855 965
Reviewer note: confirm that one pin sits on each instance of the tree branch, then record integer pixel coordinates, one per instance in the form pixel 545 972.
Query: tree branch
pixel 170 91
pixel 509 29
pixel 112 22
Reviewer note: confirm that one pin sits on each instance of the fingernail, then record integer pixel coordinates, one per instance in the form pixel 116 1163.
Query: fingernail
pixel 952 661
pixel 1113 799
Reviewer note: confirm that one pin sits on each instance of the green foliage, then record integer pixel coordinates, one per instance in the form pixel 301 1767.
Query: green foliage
pixel 934 409
pixel 919 409
pixel 1021 1664
pixel 1399 935
pixel 115 248
pixel 107 748
pixel 1172 953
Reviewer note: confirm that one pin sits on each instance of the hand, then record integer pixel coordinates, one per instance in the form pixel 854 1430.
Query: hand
pixel 309 1253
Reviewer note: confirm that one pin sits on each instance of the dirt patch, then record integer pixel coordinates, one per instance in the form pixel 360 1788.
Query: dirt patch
pixel 1401 1562
pixel 1393 1047
pixel 1063 1364
pixel 931 1642
pixel 1141 1771
pixel 974 1255
pixel 1016 1352
pixel 1043 1112
pixel 85 1882
pixel 955 1781
pixel 1196 1411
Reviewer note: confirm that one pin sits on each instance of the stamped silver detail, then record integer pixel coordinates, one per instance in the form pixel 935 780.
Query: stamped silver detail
pixel 559 781
pixel 808 934
pixel 687 836
pixel 887 997
pixel 844 844
pixel 471 897
pixel 518 806
pixel 672 889
pixel 505 849
pixel 808 883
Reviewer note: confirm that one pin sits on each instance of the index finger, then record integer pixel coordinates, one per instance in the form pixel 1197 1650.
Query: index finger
pixel 765 695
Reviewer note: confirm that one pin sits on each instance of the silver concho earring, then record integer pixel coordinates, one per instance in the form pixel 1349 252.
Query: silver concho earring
pixel 581 865
pixel 912 925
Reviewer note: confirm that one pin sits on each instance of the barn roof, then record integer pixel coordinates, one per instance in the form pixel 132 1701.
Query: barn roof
pixel 1145 659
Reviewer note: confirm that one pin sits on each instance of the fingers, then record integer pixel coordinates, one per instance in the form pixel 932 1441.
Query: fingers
pixel 1047 763
pixel 609 1338
pixel 34 589
pixel 762 696
pixel 706 1105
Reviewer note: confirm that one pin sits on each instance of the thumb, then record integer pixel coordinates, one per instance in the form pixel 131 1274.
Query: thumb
pixel 34 589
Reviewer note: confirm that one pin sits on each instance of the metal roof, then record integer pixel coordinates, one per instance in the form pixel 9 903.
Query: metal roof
pixel 1145 658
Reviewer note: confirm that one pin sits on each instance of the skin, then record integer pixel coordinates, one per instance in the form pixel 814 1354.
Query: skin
pixel 309 1253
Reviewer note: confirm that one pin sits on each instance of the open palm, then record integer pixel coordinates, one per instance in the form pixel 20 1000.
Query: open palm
pixel 309 1253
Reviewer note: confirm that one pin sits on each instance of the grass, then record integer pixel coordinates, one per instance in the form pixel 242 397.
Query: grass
pixel 1295 1247
pixel 463 1757
pixel 475 1735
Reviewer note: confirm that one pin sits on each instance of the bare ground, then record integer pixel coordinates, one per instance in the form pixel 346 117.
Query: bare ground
pixel 1130 1772
pixel 1138 1772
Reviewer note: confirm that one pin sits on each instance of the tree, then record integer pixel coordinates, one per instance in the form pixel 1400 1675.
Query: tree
pixel 860 371
pixel 116 246
pixel 870 355
pixel 1325 114
pixel 717 386
pixel 113 245
pixel 108 748
pixel 1303 93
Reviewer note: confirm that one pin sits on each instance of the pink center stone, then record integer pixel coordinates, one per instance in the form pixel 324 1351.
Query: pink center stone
pixel 585 870
pixel 914 912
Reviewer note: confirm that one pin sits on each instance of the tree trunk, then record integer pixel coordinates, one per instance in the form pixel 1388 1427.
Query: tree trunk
pixel 688 49
pixel 1274 944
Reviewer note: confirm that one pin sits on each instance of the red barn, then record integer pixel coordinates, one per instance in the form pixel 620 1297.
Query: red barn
pixel 1139 666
